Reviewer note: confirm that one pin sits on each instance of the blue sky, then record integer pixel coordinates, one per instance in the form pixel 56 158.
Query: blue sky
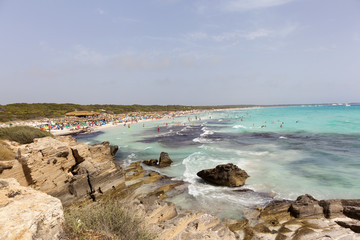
pixel 189 52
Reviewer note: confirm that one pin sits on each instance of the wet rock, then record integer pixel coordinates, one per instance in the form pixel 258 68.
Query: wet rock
pixel 151 162
pixel 164 160
pixel 306 206
pixel 113 149
pixel 224 175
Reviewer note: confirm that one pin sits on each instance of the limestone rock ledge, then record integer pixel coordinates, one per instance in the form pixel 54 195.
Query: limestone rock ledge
pixel 28 214
pixel 306 218
pixel 64 168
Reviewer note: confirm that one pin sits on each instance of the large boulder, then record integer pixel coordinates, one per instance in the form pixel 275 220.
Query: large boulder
pixel 228 175
pixel 164 160
pixel 28 214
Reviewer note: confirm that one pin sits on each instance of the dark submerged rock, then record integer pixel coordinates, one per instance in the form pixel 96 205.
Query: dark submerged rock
pixel 228 175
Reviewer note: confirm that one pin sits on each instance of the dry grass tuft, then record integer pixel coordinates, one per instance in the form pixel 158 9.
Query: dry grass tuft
pixel 5 152
pixel 105 220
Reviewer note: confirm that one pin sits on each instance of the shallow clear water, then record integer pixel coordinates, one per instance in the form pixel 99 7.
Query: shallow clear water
pixel 316 151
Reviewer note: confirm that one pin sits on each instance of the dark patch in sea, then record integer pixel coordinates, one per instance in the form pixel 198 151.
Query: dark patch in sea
pixel 176 136
pixel 87 135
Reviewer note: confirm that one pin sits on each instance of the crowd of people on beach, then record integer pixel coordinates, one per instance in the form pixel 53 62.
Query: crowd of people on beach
pixel 89 123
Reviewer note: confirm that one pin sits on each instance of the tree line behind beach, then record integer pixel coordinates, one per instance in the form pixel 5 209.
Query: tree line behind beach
pixel 25 111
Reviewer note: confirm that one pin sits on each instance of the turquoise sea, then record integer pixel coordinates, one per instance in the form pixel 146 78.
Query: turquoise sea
pixel 287 151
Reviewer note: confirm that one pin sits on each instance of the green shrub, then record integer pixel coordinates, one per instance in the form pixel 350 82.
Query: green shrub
pixel 22 134
pixel 5 152
pixel 110 219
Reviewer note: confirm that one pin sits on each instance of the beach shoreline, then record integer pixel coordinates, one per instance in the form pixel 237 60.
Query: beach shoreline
pixel 108 125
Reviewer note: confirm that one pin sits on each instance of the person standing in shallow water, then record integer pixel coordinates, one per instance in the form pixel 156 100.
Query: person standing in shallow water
pixel 158 129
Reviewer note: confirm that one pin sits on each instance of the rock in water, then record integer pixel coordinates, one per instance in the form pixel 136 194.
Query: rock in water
pixel 164 160
pixel 151 162
pixel 224 175
pixel 28 214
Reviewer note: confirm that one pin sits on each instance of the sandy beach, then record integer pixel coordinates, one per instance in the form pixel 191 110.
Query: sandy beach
pixel 134 119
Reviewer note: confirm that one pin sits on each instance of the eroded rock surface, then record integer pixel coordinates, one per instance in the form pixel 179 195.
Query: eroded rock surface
pixel 225 175
pixel 146 191
pixel 66 169
pixel 306 206
pixel 304 219
pixel 28 214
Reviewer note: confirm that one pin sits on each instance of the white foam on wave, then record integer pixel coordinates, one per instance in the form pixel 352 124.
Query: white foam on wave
pixel 206 132
pixel 202 140
pixel 282 137
pixel 210 193
pixel 237 152
pixel 183 130
pixel 240 126
pixel 166 134
pixel 147 148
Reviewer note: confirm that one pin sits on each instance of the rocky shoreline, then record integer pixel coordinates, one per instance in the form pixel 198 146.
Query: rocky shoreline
pixel 79 173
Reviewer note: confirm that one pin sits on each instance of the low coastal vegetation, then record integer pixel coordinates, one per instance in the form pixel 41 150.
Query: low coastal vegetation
pixel 104 220
pixel 24 111
pixel 22 134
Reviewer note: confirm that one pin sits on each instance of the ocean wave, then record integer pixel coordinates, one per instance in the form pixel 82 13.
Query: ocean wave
pixel 240 126
pixel 202 140
pixel 166 134
pixel 206 132
pixel 183 130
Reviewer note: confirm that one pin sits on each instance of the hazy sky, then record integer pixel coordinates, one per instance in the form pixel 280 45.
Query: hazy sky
pixel 189 52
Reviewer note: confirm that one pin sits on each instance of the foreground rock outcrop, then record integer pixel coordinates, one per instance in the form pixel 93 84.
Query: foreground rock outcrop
pixel 306 218
pixel 64 168
pixel 28 214
pixel 146 192
pixel 164 161
pixel 70 170
pixel 225 175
